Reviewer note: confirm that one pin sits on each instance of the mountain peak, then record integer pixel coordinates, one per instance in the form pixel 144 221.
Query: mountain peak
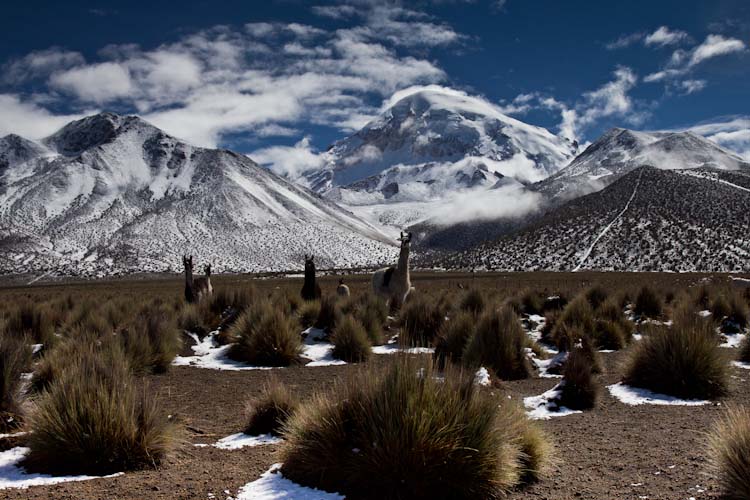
pixel 91 131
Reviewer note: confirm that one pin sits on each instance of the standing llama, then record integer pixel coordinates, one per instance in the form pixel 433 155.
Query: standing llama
pixel 310 289
pixel 393 283
pixel 342 290
pixel 199 288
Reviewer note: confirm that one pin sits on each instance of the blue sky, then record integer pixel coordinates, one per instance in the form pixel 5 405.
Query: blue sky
pixel 290 77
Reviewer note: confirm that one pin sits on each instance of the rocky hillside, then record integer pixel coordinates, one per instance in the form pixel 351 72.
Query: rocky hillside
pixel 647 220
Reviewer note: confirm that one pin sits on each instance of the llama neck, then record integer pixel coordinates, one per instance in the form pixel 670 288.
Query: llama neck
pixel 402 269
pixel 188 277
pixel 309 277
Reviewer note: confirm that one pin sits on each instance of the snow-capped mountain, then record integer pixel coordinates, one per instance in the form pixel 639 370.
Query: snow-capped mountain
pixel 647 220
pixel 109 194
pixel 619 151
pixel 432 143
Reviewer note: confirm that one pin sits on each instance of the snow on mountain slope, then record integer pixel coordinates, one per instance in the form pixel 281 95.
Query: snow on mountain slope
pixel 620 150
pixel 110 194
pixel 647 220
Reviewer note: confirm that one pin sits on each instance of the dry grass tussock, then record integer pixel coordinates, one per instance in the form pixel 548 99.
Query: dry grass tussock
pixel 403 434
pixel 729 444
pixel 268 413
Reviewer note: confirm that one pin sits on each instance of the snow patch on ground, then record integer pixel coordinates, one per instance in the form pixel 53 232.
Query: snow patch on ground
pixel 741 364
pixel 544 365
pixel 241 440
pixel 13 476
pixel 482 377
pixel 636 396
pixel 546 406
pixel 273 486
pixel 393 348
pixel 209 354
pixel 732 340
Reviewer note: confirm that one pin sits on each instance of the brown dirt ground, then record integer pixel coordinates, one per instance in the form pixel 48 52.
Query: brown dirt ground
pixel 612 452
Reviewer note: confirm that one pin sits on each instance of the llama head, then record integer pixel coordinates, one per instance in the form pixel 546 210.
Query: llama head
pixel 207 269
pixel 405 239
pixel 341 281
pixel 188 263
pixel 309 263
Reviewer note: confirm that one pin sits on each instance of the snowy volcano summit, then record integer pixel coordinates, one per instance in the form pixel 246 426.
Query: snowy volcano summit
pixel 620 151
pixel 110 194
pixel 435 135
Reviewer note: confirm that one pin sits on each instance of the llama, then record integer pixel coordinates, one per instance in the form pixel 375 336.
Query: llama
pixel 393 283
pixel 310 289
pixel 342 290
pixel 199 288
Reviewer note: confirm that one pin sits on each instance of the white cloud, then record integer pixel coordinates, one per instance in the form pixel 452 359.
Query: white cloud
pixel 691 86
pixel 732 133
pixel 335 11
pixel 664 36
pixel 290 161
pixel 625 41
pixel 30 120
pixel 39 64
pixel 610 99
pixel 98 83
pixel 506 201
pixel 261 79
pixel 713 46
pixel 683 62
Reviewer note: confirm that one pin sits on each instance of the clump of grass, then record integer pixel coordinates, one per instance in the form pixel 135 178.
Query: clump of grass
pixel 596 296
pixel 729 443
pixel 532 303
pixel 95 419
pixel 579 390
pixel 745 350
pixel 15 357
pixel 703 298
pixel 31 320
pixel 401 435
pixel 453 337
pixel 189 319
pixel 720 308
pixel 683 361
pixel 647 304
pixel 268 413
pixel 609 335
pixel 308 313
pixel 328 314
pixel 420 321
pixel 272 340
pixel 373 313
pixel 577 316
pixel 473 301
pixel 350 342
pixel 150 342
pixel 498 344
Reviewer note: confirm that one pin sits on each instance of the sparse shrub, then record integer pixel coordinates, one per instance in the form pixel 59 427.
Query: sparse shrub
pixel 272 340
pixel 683 361
pixel 550 320
pixel 372 313
pixel 554 303
pixel 579 389
pixel 453 337
pixel 720 308
pixel 268 413
pixel 535 448
pixel 577 316
pixel 745 350
pixel 532 303
pixel 350 341
pixel 736 319
pixel 308 313
pixel 703 298
pixel 94 419
pixel 420 322
pixel 190 320
pixel 150 342
pixel 647 304
pixel 234 299
pixel 730 453
pixel 31 320
pixel 473 301
pixel 15 357
pixel 609 335
pixel 498 343
pixel 596 296
pixel 402 435
pixel 328 314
